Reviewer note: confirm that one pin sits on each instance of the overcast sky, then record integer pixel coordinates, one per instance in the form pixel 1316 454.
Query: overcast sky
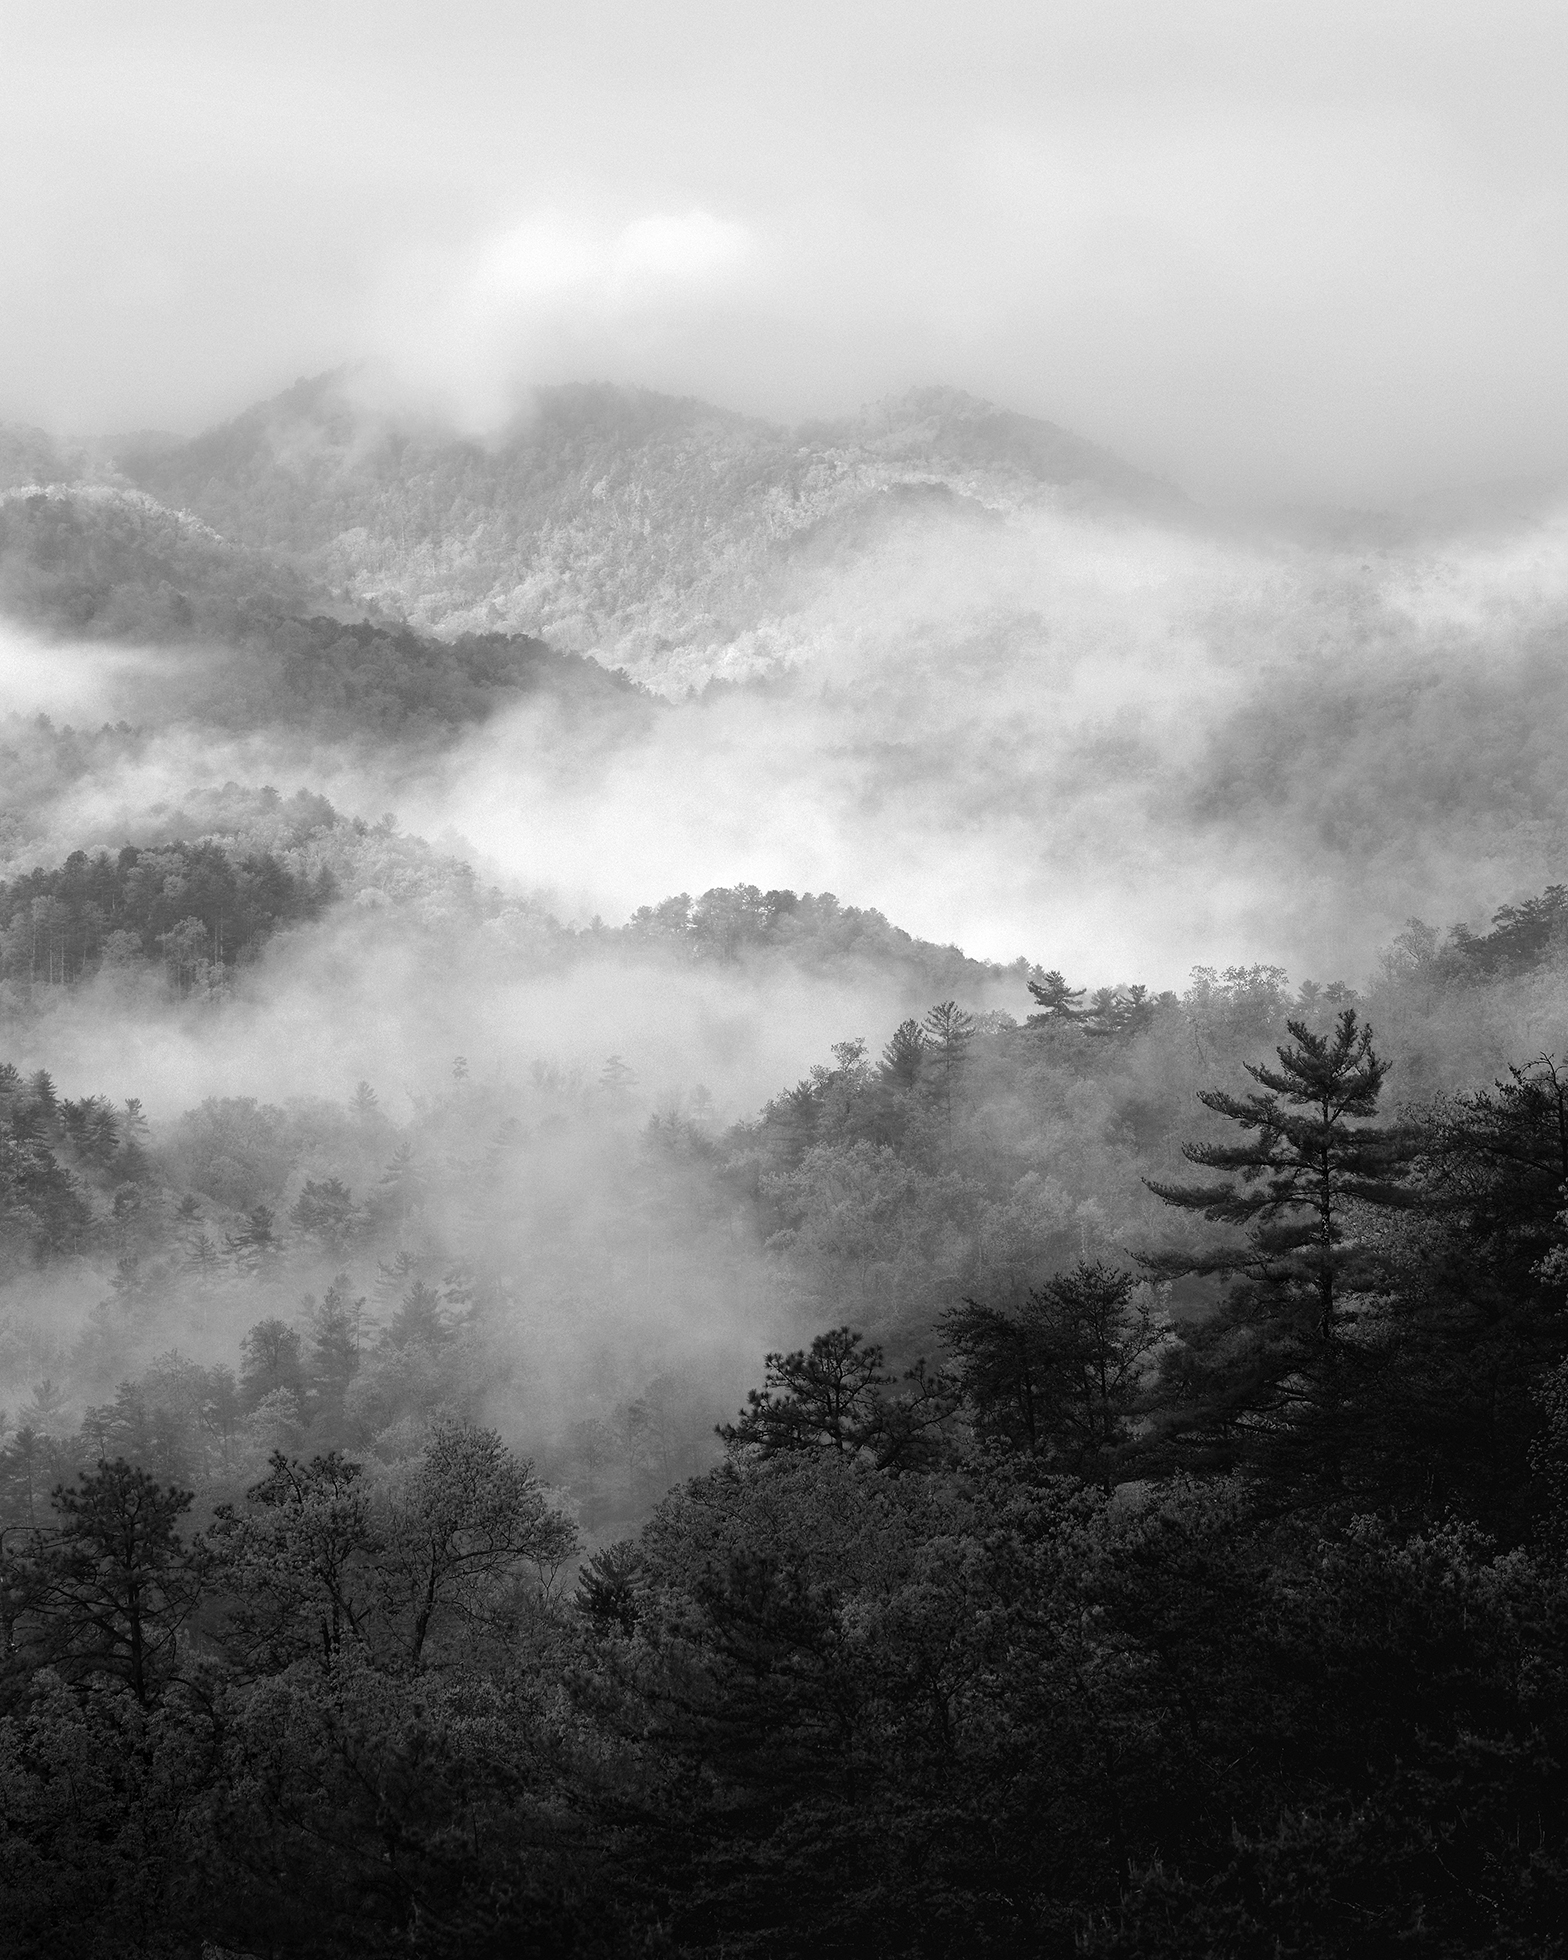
pixel 1284 250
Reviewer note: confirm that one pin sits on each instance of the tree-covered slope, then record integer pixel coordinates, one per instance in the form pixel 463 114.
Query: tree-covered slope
pixel 1109 1629
pixel 608 517
pixel 211 878
pixel 267 643
pixel 91 561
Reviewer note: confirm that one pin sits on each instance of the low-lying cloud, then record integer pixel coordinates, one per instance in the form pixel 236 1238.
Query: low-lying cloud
pixel 466 334
pixel 1121 748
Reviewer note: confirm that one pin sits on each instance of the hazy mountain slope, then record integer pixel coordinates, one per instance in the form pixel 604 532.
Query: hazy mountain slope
pixel 1018 711
pixel 991 453
pixel 616 519
pixel 90 560
pixel 240 639
pixel 30 456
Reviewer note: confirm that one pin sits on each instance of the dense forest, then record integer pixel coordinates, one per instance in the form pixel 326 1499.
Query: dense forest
pixel 111 564
pixel 1146 1537
pixel 89 563
pixel 190 904
pixel 216 874
pixel 262 862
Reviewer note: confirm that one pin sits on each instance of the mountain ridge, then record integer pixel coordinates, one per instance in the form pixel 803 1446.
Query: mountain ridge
pixel 657 533
pixel 611 520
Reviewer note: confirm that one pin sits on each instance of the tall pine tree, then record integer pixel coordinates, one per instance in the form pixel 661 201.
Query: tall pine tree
pixel 1300 1187
pixel 1315 1153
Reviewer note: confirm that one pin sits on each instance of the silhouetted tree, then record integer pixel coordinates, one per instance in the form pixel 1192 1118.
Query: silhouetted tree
pixel 830 1398
pixel 115 1580
pixel 299 1562
pixel 826 1397
pixel 1273 1366
pixel 460 1528
pixel 1314 1156
pixel 608 1593
pixel 1061 1005
pixel 1063 1375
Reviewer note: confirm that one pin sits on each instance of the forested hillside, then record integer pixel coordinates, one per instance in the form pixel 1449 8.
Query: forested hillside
pixel 1143 1539
pixel 612 518
pixel 1016 696
pixel 192 905
pixel 214 877
pixel 95 562
pixel 108 566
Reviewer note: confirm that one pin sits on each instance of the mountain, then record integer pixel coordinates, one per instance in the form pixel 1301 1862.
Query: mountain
pixel 611 520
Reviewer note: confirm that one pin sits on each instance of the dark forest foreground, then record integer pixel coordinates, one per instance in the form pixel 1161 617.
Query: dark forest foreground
pixel 1097 1631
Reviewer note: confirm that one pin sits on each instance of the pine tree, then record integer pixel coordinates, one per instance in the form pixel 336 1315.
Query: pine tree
pixel 1064 1375
pixel 402 1183
pixel 116 1581
pixel 46 1412
pixel 394 1275
pixel 1120 1011
pixel 1300 1190
pixel 325 1211
pixel 202 1258
pixel 832 1400
pixel 1061 1005
pixel 904 1055
pixel 608 1594
pixel 129 1283
pixel 948 1031
pixel 133 1131
pixel 828 1398
pixel 1316 1154
pixel 617 1079
pixel 334 1341
pixel 256 1248
pixel 419 1320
